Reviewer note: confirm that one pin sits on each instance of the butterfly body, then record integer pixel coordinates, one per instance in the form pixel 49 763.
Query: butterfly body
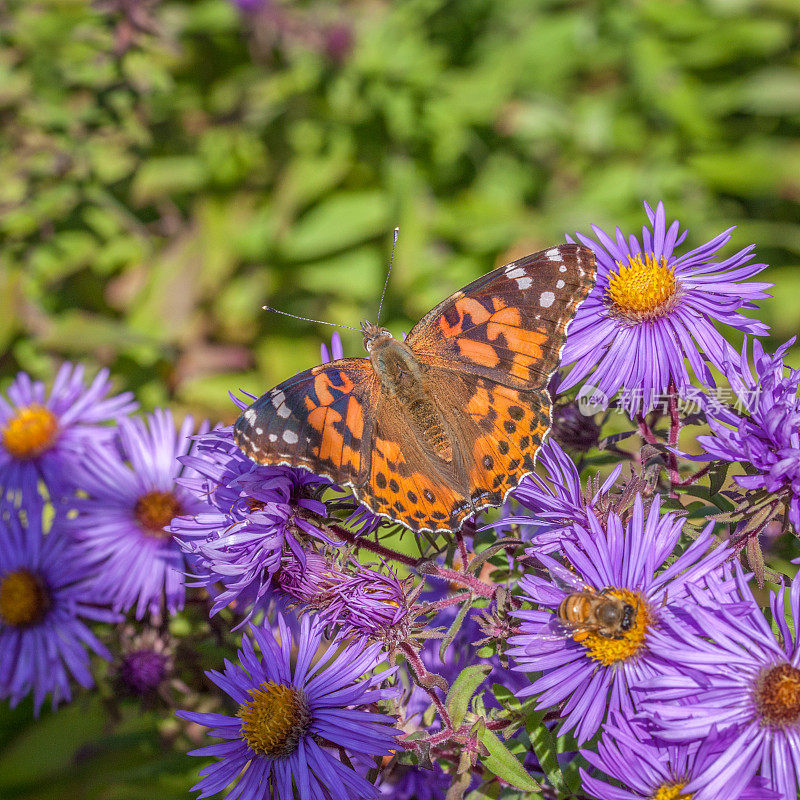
pixel 429 430
pixel 402 378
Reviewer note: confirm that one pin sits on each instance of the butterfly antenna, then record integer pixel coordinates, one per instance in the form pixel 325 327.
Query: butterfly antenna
pixel 388 273
pixel 308 319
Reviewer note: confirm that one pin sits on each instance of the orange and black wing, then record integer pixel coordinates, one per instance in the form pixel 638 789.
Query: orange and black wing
pixel 496 432
pixel 320 419
pixel 406 483
pixel 510 325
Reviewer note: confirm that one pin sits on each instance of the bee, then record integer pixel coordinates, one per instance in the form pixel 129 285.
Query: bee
pixel 588 611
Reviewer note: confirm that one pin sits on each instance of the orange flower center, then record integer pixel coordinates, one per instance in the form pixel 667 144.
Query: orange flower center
pixel 30 432
pixel 154 511
pixel 643 289
pixel 671 791
pixel 778 695
pixel 275 720
pixel 23 598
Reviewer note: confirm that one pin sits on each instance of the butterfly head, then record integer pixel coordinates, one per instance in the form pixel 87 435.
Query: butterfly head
pixel 374 335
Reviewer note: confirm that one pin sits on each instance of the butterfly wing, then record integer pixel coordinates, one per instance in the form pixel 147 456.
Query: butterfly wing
pixel 406 482
pixel 509 325
pixel 334 420
pixel 320 419
pixel 495 430
pixel 490 349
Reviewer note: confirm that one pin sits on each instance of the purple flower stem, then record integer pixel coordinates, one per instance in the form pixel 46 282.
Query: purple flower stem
pixel 644 429
pixel 693 478
pixel 475 585
pixel 373 547
pixel 462 548
pixel 438 605
pixel 427 681
pixel 674 434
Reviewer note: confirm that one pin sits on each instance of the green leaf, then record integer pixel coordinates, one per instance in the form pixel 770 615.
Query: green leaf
pixel 463 689
pixel 717 475
pixel 544 745
pixel 162 177
pixel 487 791
pixel 506 697
pixel 454 628
pixel 341 221
pixel 503 764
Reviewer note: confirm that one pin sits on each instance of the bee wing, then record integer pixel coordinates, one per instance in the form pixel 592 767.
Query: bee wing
pixel 562 577
pixel 557 630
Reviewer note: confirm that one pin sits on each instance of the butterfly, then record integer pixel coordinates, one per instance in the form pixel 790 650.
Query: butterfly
pixel 430 430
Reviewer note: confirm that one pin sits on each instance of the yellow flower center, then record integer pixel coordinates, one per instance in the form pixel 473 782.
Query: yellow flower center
pixel 642 289
pixel 778 695
pixel 30 432
pixel 275 720
pixel 23 598
pixel 671 791
pixel 608 651
pixel 154 511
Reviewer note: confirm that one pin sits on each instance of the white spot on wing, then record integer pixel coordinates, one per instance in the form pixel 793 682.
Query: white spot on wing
pixel 250 415
pixel 560 285
pixel 273 437
pixel 280 406
pixel 562 268
pixel 514 272
pixel 259 431
pixel 546 299
pixel 524 283
pixel 554 254
pixel 290 437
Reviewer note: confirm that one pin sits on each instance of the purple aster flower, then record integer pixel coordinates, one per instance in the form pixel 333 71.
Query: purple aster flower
pixel 47 593
pixel 587 671
pixel 44 438
pixel 368 602
pixel 733 673
pixel 652 310
pixel 574 429
pixel 133 495
pixel 142 669
pixel 647 769
pixel 259 522
pixel 297 717
pixel 336 351
pixel 557 501
pixel 767 437
pixel 305 582
pixel 145 667
pixel 407 782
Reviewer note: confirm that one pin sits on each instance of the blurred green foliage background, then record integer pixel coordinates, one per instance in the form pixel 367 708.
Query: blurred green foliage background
pixel 167 168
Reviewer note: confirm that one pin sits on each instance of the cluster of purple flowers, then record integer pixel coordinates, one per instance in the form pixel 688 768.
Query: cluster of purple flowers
pixel 762 429
pixel 92 498
pixel 710 689
pixel 631 631
pixel 86 492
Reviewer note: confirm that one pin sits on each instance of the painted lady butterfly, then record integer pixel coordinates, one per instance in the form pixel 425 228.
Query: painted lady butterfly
pixel 429 430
